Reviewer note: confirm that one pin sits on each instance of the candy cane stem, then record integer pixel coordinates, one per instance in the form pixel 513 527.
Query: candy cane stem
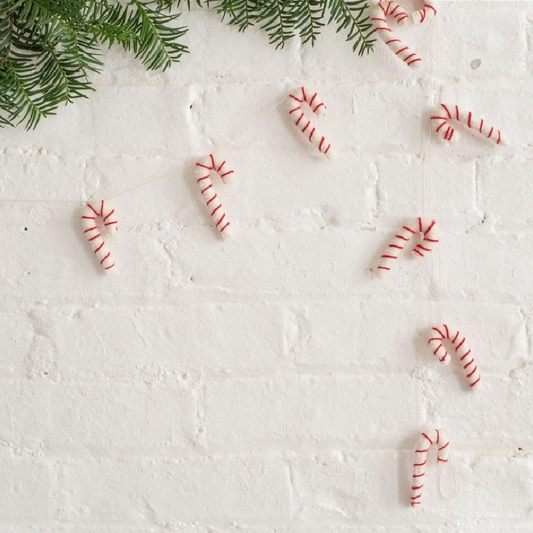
pixel 97 219
pixel 429 438
pixel 203 171
pixel 442 335
pixel 297 103
pixel 379 15
pixel 427 233
pixel 448 115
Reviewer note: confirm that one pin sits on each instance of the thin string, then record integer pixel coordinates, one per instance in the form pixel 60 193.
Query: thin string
pixel 429 175
pixel 439 281
pixel 439 273
pixel 254 122
pixel 455 477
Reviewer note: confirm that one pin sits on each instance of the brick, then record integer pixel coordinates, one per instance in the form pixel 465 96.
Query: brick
pixel 219 491
pixel 363 411
pixel 25 490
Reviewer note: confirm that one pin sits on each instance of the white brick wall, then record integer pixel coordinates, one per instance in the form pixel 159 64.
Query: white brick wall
pixel 270 384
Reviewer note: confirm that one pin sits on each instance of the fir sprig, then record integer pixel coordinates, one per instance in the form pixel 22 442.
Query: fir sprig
pixel 48 48
pixel 350 16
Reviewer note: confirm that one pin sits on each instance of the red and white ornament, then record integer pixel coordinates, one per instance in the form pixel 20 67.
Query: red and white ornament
pixel 389 9
pixel 426 12
pixel 443 334
pixel 426 231
pixel 451 113
pixel 203 170
pixel 297 102
pixel 97 219
pixel 433 437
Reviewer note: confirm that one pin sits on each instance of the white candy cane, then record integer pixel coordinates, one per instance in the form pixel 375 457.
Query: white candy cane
pixel 204 168
pixel 427 11
pixel 427 232
pixel 95 219
pixel 434 437
pixel 451 113
pixel 438 337
pixel 379 18
pixel 296 102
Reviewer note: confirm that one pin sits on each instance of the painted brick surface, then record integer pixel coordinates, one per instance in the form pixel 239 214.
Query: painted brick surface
pixel 271 384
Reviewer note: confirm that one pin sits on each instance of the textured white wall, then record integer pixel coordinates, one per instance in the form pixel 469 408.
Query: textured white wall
pixel 270 383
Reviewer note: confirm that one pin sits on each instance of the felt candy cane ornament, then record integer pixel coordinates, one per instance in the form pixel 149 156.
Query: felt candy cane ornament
pixel 439 336
pixel 296 102
pixel 390 9
pixel 434 437
pixel 96 219
pixel 428 237
pixel 203 171
pixel 427 11
pixel 450 113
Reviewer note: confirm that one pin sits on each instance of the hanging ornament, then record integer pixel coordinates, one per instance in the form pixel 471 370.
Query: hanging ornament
pixel 428 237
pixel 428 11
pixel 97 219
pixel 434 437
pixel 437 340
pixel 451 113
pixel 391 9
pixel 297 101
pixel 203 171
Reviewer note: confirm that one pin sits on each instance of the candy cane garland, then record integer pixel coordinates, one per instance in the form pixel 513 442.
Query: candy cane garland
pixel 423 14
pixel 434 437
pixel 203 178
pixel 477 125
pixel 89 220
pixel 428 234
pixel 444 333
pixel 302 121
pixel 379 18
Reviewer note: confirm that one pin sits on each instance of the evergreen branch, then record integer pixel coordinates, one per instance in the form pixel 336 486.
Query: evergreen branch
pixel 6 28
pixel 306 17
pixel 23 99
pixel 169 4
pixel 48 47
pixel 349 15
pixel 278 21
pixel 156 46
pixel 108 24
pixel 241 13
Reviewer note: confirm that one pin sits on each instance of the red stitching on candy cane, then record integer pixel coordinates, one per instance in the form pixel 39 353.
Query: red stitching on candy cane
pixel 425 228
pixel 438 337
pixel 427 11
pixel 296 102
pixel 203 171
pixel 390 9
pixel 96 214
pixel 433 437
pixel 451 113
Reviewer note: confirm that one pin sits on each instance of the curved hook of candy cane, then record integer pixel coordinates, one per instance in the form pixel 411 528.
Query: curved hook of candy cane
pixel 94 213
pixel 438 336
pixel 427 11
pixel 433 437
pixel 425 228
pixel 450 113
pixel 379 19
pixel 203 170
pixel 295 102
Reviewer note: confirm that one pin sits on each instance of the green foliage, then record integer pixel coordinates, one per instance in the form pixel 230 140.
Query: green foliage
pixel 350 15
pixel 283 19
pixel 48 48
